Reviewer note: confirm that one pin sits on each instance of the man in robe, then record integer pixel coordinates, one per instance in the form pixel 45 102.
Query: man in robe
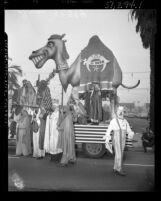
pixel 66 140
pixel 51 133
pixel 120 128
pixel 37 152
pixel 87 103
pixel 106 110
pixel 13 128
pixel 42 117
pixel 21 99
pixel 23 144
pixel 80 113
pixel 96 105
pixel 30 112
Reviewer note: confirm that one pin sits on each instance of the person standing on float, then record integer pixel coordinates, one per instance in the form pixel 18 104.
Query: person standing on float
pixel 120 128
pixel 96 104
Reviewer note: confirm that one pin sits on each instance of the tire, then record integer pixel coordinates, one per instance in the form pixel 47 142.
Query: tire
pixel 93 150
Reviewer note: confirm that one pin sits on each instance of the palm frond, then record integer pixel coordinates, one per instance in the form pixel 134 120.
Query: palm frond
pixel 146 24
pixel 16 69
pixel 12 79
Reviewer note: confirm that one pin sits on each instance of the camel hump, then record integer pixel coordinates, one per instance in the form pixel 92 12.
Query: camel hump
pixel 94 39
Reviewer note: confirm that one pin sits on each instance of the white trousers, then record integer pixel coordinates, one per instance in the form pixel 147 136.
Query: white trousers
pixel 119 145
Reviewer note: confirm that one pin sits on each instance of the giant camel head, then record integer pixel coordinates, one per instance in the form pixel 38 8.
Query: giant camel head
pixel 55 49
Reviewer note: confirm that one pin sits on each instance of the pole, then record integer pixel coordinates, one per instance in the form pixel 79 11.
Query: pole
pixel 38 80
pixel 32 106
pixel 62 97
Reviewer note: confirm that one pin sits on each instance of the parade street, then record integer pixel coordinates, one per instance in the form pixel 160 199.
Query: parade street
pixel 86 175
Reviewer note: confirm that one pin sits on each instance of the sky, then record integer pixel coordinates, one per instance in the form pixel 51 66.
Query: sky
pixel 29 30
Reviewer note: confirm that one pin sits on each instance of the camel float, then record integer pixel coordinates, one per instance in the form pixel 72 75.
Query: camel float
pixel 55 49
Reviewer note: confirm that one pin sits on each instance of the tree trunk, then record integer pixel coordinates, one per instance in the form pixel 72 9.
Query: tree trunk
pixel 152 65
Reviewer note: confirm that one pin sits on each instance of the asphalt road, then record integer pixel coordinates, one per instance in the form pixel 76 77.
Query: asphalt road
pixel 86 175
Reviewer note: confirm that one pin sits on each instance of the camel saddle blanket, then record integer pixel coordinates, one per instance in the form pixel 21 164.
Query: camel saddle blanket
pixel 98 65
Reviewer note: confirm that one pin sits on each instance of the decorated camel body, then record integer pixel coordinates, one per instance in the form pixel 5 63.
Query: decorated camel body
pixel 55 49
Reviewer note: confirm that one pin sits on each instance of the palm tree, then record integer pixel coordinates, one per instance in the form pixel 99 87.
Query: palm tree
pixel 146 26
pixel 13 72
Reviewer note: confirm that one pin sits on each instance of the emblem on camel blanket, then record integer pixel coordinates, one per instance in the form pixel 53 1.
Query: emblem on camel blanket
pixel 96 62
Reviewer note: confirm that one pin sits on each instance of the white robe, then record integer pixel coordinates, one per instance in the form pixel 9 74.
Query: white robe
pixel 36 151
pixel 51 133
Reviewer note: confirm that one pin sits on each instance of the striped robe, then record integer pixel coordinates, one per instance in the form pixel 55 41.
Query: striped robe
pixel 46 101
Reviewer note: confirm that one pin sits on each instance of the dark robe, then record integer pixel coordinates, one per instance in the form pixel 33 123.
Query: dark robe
pixel 96 107
pixel 87 103
pixel 42 131
pixel 13 128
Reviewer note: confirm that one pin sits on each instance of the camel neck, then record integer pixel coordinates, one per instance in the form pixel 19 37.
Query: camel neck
pixel 60 61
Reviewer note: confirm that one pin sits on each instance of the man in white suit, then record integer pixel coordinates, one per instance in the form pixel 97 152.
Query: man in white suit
pixel 120 128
